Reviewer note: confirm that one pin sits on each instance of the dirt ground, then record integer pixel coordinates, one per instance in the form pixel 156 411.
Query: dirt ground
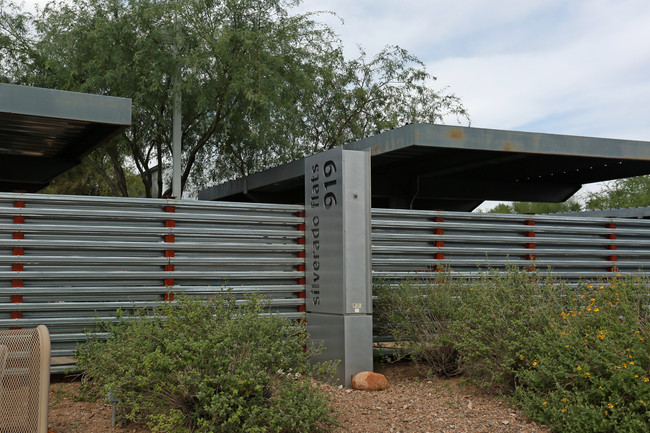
pixel 410 404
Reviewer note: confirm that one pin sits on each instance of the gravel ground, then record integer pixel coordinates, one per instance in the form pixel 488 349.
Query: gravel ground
pixel 410 404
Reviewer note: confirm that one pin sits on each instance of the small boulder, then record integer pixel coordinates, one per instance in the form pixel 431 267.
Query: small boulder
pixel 369 381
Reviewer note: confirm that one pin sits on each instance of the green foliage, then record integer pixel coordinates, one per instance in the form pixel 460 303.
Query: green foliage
pixel 621 193
pixel 527 207
pixel 259 85
pixel 573 358
pixel 94 176
pixel 498 311
pixel 418 314
pixel 502 208
pixel 210 366
pixel 588 368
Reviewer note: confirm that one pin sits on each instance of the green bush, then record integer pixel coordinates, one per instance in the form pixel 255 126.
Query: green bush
pixel 209 366
pixel 588 368
pixel 418 314
pixel 499 314
pixel 573 358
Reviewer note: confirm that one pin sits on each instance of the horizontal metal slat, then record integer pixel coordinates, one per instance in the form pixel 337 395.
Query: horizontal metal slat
pixel 88 321
pixel 149 202
pixel 500 262
pixel 103 306
pixel 406 238
pixel 126 275
pixel 148 246
pixel 495 227
pixel 135 290
pixel 161 231
pixel 78 213
pixel 378 213
pixel 405 275
pixel 497 251
pixel 116 260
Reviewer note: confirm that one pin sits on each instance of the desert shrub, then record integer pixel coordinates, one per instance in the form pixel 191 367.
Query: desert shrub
pixel 418 314
pixel 573 358
pixel 499 312
pixel 210 366
pixel 588 368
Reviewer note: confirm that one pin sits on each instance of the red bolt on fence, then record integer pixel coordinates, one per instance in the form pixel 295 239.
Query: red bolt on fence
pixel 530 245
pixel 301 267
pixel 439 243
pixel 169 252
pixel 612 247
pixel 18 267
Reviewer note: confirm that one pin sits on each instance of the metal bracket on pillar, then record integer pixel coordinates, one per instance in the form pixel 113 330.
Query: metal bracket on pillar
pixel 338 258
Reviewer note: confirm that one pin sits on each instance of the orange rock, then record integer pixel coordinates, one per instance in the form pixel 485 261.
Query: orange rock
pixel 369 381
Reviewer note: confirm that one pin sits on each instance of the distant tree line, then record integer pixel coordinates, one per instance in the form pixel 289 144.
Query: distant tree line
pixel 620 193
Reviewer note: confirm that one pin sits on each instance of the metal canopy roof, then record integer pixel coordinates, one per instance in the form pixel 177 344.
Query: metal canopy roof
pixel 45 132
pixel 457 168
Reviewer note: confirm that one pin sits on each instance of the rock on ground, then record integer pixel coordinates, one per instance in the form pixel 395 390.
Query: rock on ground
pixel 369 381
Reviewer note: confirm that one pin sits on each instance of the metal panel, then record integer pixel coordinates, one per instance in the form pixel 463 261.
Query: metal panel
pixel 66 261
pixel 421 166
pixel 417 244
pixel 45 132
pixel 409 244
pixel 346 339
pixel 337 234
pixel 60 104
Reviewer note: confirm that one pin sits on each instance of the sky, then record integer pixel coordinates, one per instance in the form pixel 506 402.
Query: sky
pixel 577 67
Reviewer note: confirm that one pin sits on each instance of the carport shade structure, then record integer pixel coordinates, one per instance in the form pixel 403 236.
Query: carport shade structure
pixel 45 132
pixel 439 167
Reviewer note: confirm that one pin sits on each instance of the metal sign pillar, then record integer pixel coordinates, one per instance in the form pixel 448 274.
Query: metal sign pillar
pixel 338 258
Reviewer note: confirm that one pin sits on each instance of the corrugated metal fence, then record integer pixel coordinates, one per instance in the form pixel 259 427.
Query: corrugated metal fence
pixel 67 260
pixel 413 244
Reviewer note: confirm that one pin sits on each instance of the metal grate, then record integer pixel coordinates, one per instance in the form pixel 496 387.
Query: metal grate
pixel 24 380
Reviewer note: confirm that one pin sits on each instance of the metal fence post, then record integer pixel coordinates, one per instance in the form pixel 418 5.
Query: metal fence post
pixel 18 266
pixel 612 247
pixel 301 267
pixel 530 244
pixel 169 238
pixel 439 255
pixel 338 258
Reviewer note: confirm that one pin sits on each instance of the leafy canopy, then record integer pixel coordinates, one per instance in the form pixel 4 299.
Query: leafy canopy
pixel 260 85
pixel 621 193
pixel 525 207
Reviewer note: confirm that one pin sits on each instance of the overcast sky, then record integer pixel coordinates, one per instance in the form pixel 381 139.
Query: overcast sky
pixel 561 66
pixel 579 67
